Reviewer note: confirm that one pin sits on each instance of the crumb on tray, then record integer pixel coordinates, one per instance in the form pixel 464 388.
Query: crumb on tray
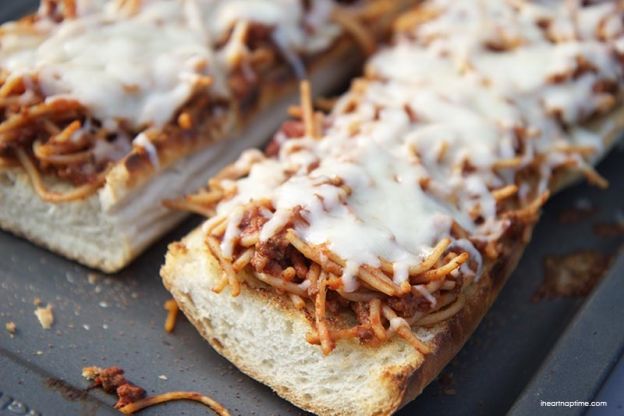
pixel 11 327
pixel 93 278
pixel 45 316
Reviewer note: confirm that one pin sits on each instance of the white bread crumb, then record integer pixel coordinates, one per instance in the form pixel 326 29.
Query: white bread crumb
pixel 45 316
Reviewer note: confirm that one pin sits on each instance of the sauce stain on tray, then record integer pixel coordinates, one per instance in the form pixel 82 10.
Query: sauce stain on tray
pixel 572 275
pixel 66 390
pixel 581 211
pixel 608 230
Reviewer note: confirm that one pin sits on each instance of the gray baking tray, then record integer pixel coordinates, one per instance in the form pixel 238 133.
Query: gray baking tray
pixel 509 364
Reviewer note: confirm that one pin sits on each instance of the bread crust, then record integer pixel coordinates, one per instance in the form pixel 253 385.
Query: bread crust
pixel 397 384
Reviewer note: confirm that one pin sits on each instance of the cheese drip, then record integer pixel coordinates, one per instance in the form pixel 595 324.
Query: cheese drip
pixel 141 65
pixel 480 83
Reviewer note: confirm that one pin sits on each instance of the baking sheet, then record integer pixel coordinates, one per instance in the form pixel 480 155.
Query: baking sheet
pixel 117 320
pixel 583 357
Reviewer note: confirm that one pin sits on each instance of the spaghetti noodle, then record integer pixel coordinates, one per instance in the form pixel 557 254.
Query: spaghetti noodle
pixel 172 313
pixel 141 404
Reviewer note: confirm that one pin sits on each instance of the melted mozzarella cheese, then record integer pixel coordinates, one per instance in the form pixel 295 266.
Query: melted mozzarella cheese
pixel 443 105
pixel 141 65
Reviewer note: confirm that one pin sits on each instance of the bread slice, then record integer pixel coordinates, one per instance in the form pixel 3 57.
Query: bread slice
pixel 265 336
pixel 438 82
pixel 110 228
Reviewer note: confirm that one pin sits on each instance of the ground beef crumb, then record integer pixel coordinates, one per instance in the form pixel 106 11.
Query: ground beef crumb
pixel 128 393
pixel 112 380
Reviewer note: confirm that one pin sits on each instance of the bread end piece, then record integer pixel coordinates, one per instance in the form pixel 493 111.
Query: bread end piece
pixel 265 337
